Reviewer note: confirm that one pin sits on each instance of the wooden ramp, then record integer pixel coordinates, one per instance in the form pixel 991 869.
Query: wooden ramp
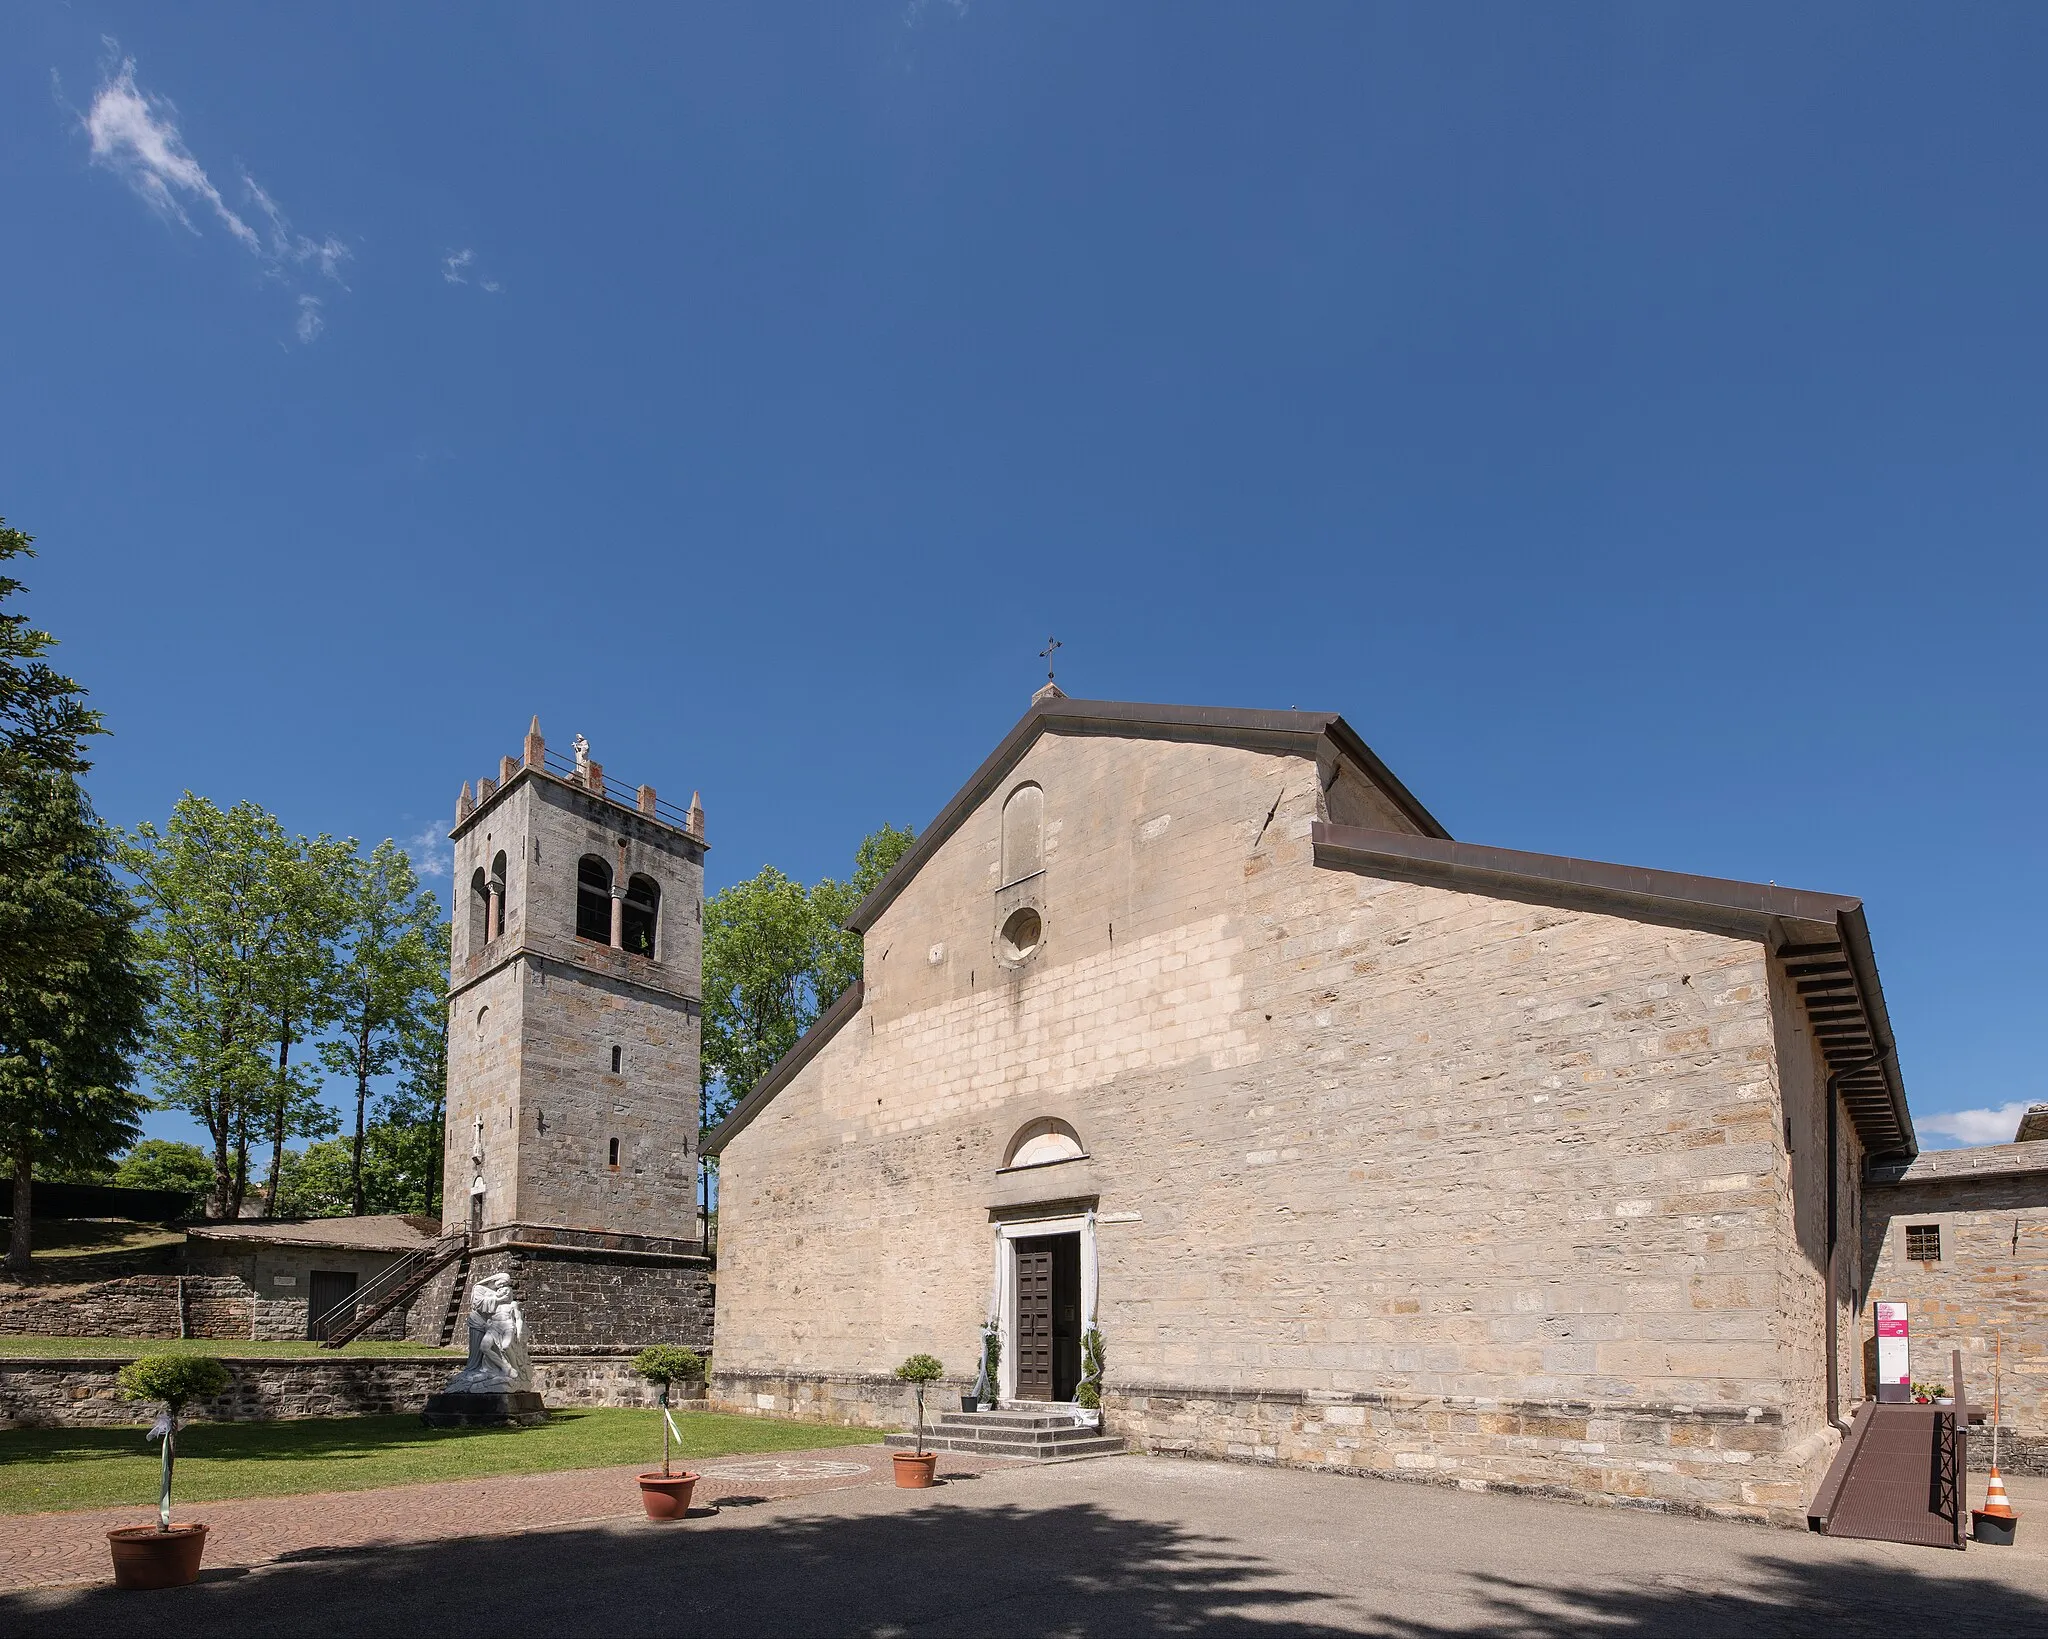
pixel 1899 1477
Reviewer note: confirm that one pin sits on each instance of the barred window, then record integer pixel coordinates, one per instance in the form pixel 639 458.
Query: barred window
pixel 1923 1243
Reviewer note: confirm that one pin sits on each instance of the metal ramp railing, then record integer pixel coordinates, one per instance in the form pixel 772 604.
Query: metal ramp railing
pixel 1902 1474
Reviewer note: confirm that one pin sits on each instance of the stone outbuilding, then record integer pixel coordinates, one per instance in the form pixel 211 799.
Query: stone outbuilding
pixel 1360 1148
pixel 1961 1238
pixel 296 1272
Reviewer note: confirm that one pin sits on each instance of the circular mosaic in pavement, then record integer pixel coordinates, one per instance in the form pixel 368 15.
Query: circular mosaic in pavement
pixel 768 1473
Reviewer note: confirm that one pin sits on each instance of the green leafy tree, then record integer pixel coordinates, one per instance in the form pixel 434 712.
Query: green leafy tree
pixel 72 1022
pixel 217 908
pixel 44 720
pixel 390 976
pixel 299 983
pixel 775 956
pixel 839 949
pixel 760 955
pixel 163 1163
pixel 318 1181
pixel 402 1153
pixel 403 1149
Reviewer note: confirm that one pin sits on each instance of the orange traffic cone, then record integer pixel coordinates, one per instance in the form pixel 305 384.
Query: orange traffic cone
pixel 1995 1503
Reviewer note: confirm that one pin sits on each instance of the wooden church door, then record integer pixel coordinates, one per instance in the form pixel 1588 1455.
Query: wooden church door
pixel 1034 1318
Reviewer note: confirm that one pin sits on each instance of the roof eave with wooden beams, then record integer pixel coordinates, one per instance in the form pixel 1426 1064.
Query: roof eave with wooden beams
pixel 1822 940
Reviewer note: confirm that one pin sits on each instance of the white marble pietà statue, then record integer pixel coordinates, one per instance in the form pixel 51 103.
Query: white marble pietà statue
pixel 498 1363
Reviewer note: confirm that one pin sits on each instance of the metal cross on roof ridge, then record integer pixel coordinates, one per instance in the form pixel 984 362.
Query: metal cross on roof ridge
pixel 1046 654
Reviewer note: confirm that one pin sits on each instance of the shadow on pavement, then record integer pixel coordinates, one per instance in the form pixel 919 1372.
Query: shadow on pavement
pixel 1074 1569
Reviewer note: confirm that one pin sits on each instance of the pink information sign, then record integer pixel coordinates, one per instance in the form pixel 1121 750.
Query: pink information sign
pixel 1894 1361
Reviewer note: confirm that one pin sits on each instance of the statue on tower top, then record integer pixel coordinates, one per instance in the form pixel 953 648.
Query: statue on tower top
pixel 581 747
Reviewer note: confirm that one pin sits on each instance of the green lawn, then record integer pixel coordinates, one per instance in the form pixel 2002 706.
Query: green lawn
pixel 43 1469
pixel 121 1348
pixel 61 1238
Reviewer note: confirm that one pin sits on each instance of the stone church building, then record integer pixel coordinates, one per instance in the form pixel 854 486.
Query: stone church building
pixel 1363 1148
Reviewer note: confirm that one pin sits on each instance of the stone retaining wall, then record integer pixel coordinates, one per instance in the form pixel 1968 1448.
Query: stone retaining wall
pixel 575 1295
pixel 81 1393
pixel 135 1306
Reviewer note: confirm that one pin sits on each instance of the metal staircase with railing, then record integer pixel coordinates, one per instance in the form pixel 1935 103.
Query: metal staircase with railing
pixel 389 1287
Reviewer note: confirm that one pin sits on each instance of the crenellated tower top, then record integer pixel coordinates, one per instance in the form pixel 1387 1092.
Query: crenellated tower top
pixel 585 774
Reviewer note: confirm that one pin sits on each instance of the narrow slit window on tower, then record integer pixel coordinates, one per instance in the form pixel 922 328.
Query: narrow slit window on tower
pixel 615 1060
pixel 615 1155
pixel 593 899
pixel 1923 1243
pixel 642 913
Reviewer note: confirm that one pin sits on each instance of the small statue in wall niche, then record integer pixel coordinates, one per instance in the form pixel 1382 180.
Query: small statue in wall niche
pixel 498 1359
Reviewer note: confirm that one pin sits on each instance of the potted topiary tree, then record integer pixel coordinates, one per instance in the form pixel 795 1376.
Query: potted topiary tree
pixel 164 1555
pixel 667 1495
pixel 914 1468
pixel 1088 1397
pixel 987 1392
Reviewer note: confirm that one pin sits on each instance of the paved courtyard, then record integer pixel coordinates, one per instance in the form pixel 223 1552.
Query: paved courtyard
pixel 1121 1545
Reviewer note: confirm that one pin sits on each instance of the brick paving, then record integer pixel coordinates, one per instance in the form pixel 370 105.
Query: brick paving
pixel 41 1550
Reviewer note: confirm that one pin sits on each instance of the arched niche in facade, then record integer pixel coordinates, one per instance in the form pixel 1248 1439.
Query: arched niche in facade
pixel 1042 1142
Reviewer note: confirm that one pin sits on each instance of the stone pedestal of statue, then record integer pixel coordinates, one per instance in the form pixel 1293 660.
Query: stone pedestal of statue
pixel 507 1408
pixel 495 1389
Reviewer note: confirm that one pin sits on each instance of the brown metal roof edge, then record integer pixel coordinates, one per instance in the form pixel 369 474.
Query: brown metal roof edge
pixel 1294 731
pixel 822 1030
pixel 1863 963
pixel 1715 904
pixel 1716 901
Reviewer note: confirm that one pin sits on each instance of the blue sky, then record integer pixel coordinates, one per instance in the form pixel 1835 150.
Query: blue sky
pixel 1628 416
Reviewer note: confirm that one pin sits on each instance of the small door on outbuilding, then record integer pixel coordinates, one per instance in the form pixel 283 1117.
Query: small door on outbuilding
pixel 328 1288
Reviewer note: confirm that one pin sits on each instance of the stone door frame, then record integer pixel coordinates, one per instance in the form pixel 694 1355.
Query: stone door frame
pixel 1024 1229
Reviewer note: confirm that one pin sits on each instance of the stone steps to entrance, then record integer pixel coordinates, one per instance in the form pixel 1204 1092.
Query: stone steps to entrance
pixel 1037 1436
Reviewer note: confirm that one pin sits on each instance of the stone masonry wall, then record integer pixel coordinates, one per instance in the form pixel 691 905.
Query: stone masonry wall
pixel 81 1393
pixel 851 1399
pixel 536 1014
pixel 135 1306
pixel 578 1298
pixel 1990 1205
pixel 1385 1143
pixel 273 1283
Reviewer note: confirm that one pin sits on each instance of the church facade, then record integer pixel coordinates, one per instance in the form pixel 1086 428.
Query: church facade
pixel 1360 1148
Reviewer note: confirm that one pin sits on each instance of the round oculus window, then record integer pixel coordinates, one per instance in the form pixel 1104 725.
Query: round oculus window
pixel 1021 933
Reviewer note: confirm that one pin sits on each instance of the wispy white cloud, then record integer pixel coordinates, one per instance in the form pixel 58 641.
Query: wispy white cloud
pixel 134 134
pixel 457 266
pixel 1985 1126
pixel 432 857
pixel 913 14
pixel 325 256
pixel 136 137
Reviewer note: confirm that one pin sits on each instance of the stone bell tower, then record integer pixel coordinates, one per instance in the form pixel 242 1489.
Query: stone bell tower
pixel 573 1037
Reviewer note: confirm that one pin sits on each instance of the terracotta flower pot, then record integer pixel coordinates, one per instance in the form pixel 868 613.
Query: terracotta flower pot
pixel 914 1469
pixel 145 1557
pixel 666 1496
